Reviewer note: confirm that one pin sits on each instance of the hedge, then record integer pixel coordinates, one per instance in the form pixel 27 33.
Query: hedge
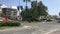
pixel 9 23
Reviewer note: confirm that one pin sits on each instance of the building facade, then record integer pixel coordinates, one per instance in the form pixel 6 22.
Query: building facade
pixel 9 12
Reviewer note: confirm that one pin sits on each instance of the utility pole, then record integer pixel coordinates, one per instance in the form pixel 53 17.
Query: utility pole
pixel 19 6
pixel 18 10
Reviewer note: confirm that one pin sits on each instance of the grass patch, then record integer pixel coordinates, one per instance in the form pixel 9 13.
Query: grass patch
pixel 5 27
pixel 34 23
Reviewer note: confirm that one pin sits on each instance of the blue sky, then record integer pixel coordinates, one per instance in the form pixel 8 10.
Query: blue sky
pixel 53 5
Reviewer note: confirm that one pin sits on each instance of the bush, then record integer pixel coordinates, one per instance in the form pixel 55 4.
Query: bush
pixel 9 23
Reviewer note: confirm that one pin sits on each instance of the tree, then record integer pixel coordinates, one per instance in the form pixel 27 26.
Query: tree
pixel 26 1
pixel 42 9
pixel 33 4
pixel 26 4
pixel 36 10
pixel 18 7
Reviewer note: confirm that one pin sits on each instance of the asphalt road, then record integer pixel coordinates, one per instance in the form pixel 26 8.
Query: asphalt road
pixel 56 32
pixel 46 28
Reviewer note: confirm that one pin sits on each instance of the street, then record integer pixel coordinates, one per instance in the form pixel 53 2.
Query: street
pixel 46 28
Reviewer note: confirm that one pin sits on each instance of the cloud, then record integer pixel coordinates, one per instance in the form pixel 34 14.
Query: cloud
pixel 14 7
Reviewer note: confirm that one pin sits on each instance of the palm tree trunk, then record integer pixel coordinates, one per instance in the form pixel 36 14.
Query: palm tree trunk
pixel 19 4
pixel 26 4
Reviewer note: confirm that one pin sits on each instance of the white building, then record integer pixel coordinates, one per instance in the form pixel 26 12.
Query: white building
pixel 12 12
pixel 2 6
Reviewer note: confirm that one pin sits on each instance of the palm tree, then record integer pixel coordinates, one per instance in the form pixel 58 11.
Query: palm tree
pixel 19 4
pixel 33 4
pixel 26 2
pixel 20 7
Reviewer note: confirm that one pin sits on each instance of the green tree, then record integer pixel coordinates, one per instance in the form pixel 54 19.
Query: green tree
pixel 36 10
pixel 26 1
pixel 42 9
pixel 21 7
pixel 33 4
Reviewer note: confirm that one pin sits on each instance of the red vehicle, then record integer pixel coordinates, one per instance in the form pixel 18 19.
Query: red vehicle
pixel 5 19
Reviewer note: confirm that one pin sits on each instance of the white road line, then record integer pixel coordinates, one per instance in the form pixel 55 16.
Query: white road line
pixel 48 31
pixel 26 26
pixel 51 31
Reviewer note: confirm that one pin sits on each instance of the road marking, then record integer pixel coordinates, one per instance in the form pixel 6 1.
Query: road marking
pixel 25 26
pixel 51 31
pixel 33 33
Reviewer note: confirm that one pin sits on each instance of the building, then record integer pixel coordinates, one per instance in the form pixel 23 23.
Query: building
pixel 12 12
pixel 2 6
pixel 9 12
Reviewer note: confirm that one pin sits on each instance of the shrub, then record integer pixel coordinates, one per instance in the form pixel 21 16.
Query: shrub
pixel 9 23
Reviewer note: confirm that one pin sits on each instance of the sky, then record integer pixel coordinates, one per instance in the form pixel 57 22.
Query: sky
pixel 53 5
